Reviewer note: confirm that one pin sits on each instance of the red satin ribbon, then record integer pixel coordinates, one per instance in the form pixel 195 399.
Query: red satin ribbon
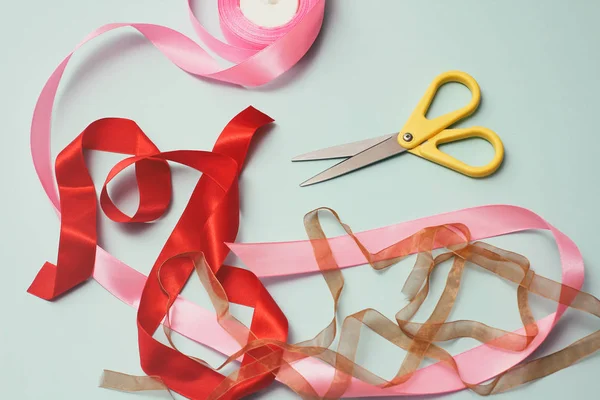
pixel 210 219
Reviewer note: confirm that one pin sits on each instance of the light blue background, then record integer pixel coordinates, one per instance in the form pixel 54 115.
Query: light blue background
pixel 537 63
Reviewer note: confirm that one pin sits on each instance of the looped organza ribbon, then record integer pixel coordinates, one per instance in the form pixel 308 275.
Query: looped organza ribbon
pixel 209 220
pixel 418 339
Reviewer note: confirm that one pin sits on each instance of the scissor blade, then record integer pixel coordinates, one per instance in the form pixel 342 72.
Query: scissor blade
pixel 379 152
pixel 341 151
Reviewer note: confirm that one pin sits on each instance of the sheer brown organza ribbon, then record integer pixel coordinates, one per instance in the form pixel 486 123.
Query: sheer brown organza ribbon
pixel 417 339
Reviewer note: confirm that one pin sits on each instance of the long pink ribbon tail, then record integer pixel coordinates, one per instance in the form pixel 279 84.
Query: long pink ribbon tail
pixel 292 258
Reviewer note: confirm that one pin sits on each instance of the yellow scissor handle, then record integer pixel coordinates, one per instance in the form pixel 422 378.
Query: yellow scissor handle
pixel 430 151
pixel 419 128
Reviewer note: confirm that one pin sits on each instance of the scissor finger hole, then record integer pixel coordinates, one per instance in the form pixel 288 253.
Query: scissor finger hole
pixel 472 151
pixel 449 97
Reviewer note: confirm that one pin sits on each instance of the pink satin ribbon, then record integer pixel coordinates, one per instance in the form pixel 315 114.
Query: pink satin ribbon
pixel 257 65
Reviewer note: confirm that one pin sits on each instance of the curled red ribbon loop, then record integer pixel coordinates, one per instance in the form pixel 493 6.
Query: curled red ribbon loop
pixel 209 220
pixel 78 237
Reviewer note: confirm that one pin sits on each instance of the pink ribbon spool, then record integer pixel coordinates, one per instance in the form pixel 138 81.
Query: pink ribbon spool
pixel 276 48
pixel 240 31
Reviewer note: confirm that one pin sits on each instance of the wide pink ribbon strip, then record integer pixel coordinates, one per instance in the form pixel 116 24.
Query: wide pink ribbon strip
pixel 291 258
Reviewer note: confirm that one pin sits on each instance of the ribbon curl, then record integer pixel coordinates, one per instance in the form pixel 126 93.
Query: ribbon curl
pixel 209 220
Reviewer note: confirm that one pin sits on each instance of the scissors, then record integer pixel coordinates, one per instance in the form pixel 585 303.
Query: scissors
pixel 420 136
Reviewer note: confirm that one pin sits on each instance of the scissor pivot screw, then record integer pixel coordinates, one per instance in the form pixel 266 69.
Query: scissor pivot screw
pixel 407 137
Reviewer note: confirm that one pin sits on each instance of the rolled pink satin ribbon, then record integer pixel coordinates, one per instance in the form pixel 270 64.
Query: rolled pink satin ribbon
pixel 274 52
